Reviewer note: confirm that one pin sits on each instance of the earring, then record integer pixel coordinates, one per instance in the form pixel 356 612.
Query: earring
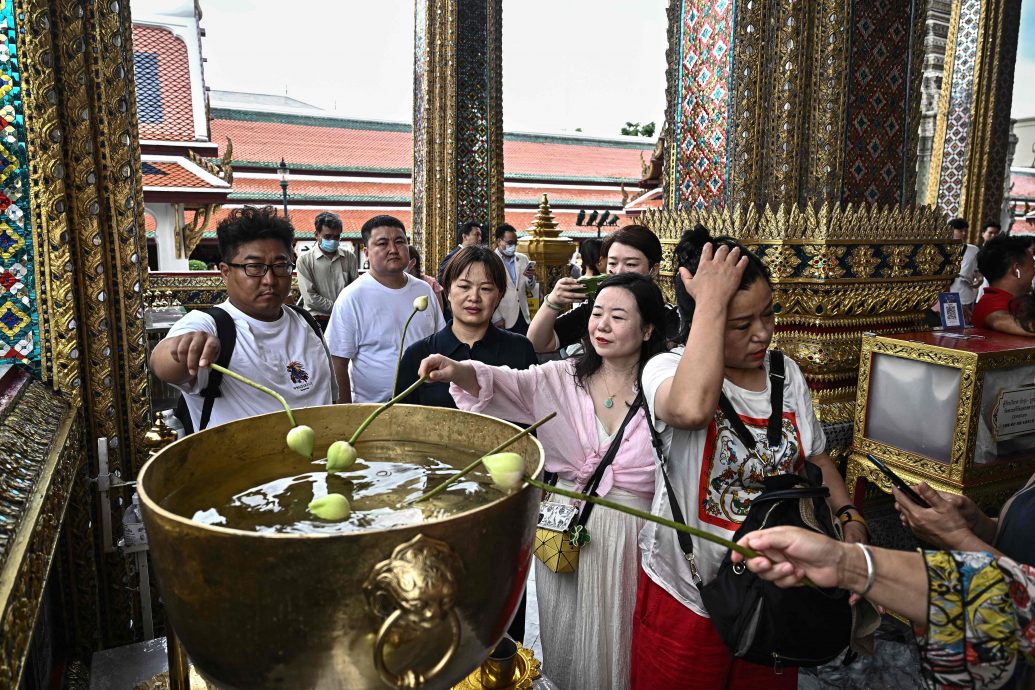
pixel 1017 272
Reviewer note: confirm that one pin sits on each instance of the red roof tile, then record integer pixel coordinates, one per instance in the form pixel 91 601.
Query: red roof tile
pixel 173 174
pixel 1023 185
pixel 162 70
pixel 328 142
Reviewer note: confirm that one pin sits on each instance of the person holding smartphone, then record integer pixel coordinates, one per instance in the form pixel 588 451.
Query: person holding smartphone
pixel 955 522
pixel 512 312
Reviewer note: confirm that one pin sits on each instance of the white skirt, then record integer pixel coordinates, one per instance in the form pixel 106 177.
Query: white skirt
pixel 586 617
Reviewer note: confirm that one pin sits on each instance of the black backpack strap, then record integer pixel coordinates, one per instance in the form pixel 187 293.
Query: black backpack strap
pixel 776 381
pixel 775 424
pixel 308 319
pixel 686 542
pixel 612 451
pixel 226 331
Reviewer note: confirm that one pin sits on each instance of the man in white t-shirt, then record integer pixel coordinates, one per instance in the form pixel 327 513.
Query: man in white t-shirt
pixel 275 346
pixel 369 315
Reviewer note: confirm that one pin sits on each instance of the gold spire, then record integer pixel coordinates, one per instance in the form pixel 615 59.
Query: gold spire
pixel 544 225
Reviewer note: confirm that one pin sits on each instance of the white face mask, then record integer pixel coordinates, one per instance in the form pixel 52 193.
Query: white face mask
pixel 508 250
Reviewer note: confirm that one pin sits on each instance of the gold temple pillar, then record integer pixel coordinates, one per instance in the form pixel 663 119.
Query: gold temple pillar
pixel 75 266
pixel 969 160
pixel 457 121
pixel 793 127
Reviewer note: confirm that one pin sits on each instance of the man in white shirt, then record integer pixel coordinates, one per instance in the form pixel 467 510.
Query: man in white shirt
pixel 326 269
pixel 274 346
pixel 369 315
pixel 966 281
pixel 512 313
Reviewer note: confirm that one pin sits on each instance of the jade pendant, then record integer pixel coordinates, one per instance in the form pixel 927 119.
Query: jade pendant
pixel 609 403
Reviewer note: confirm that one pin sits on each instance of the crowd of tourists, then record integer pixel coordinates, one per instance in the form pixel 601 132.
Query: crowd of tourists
pixel 681 411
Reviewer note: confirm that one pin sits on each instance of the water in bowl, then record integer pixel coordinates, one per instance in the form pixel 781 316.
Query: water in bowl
pixel 259 498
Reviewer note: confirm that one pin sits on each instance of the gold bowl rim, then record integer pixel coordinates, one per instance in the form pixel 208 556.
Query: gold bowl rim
pixel 189 523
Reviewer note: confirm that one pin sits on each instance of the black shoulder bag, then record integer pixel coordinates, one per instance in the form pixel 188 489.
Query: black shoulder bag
pixel 758 621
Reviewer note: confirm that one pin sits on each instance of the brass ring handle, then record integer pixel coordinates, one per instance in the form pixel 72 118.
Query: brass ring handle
pixel 411 679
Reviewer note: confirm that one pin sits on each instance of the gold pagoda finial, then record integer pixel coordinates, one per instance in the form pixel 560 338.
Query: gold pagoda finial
pixel 544 225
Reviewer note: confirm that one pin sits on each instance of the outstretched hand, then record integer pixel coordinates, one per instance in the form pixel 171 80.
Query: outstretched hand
pixel 790 554
pixel 718 276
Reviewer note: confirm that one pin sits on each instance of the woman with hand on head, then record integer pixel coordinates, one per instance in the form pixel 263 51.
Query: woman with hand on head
pixel 972 612
pixel 585 617
pixel 631 249
pixel 726 304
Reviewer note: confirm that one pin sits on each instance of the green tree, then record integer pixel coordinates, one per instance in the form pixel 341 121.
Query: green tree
pixel 631 129
pixel 647 130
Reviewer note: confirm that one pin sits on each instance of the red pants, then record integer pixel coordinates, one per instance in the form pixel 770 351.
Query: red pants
pixel 675 649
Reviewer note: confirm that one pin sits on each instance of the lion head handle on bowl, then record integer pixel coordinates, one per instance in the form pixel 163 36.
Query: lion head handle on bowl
pixel 413 591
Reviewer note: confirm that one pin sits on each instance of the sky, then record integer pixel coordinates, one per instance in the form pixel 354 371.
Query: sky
pixel 567 64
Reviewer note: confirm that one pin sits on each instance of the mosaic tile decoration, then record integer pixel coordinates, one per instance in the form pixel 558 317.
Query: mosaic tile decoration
pixel 957 129
pixel 19 321
pixel 877 128
pixel 472 113
pixel 702 106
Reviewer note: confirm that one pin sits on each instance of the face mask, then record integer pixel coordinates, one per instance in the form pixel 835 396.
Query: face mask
pixel 329 245
pixel 508 251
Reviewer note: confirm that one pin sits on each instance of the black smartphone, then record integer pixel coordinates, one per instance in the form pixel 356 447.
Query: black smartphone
pixel 898 482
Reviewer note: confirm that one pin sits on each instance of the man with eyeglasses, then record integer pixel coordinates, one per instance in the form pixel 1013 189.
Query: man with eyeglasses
pixel 273 345
pixel 369 316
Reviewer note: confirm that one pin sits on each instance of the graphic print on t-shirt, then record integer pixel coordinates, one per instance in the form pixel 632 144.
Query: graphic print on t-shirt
pixel 299 376
pixel 731 476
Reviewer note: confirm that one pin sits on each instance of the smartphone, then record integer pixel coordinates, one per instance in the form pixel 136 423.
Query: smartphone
pixel 592 283
pixel 898 482
pixel 532 265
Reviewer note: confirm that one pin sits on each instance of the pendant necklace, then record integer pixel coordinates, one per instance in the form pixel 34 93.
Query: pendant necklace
pixel 610 401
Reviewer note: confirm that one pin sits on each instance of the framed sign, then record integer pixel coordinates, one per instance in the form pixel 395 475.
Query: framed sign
pixel 1014 413
pixel 951 310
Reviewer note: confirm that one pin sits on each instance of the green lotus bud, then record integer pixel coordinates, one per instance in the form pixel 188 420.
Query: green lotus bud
pixel 332 507
pixel 506 469
pixel 421 303
pixel 301 439
pixel 340 456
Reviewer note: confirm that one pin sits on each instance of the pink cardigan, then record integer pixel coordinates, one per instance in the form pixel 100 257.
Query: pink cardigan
pixel 570 439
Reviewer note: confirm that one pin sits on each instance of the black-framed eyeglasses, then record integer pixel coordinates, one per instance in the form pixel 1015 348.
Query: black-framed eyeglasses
pixel 281 270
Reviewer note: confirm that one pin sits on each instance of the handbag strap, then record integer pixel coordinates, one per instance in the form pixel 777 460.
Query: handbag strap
pixel 612 451
pixel 775 424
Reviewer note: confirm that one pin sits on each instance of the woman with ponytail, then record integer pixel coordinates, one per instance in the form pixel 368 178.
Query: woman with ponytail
pixel 726 304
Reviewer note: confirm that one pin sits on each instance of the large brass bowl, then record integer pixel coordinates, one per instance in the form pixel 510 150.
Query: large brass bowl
pixel 399 607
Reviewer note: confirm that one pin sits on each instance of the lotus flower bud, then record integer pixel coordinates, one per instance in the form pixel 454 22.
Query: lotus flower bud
pixel 332 507
pixel 301 440
pixel 340 456
pixel 421 303
pixel 506 469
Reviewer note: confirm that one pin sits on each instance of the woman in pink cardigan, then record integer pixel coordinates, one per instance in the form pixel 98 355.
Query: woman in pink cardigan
pixel 585 617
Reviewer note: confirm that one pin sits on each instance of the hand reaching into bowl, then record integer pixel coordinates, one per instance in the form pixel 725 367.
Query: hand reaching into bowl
pixel 442 369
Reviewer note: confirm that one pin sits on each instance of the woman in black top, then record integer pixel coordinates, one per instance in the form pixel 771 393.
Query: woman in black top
pixel 631 249
pixel 474 282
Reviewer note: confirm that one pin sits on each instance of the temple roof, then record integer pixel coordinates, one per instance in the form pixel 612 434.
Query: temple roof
pixel 162 69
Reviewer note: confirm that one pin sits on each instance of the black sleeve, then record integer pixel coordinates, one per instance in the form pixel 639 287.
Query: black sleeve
pixel 572 325
pixel 528 356
pixel 411 360
pixel 672 323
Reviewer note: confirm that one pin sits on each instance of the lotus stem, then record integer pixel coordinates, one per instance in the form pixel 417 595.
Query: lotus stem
pixel 707 536
pixel 376 413
pixel 467 470
pixel 402 342
pixel 264 389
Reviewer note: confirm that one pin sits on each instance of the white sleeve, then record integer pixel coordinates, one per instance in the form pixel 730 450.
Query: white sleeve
pixel 343 327
pixel 659 369
pixel 804 410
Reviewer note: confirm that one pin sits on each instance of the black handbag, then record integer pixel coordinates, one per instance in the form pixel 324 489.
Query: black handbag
pixel 758 621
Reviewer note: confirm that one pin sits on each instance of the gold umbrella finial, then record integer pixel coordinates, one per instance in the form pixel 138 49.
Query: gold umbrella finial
pixel 544 224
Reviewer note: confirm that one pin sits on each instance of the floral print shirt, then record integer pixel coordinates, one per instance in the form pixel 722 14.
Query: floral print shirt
pixel 979 621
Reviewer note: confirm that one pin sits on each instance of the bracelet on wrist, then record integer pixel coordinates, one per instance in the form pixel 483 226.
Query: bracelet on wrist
pixel 871 572
pixel 845 508
pixel 551 305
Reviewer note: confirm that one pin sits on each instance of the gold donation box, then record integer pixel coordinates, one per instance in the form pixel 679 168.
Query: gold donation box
pixel 955 409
